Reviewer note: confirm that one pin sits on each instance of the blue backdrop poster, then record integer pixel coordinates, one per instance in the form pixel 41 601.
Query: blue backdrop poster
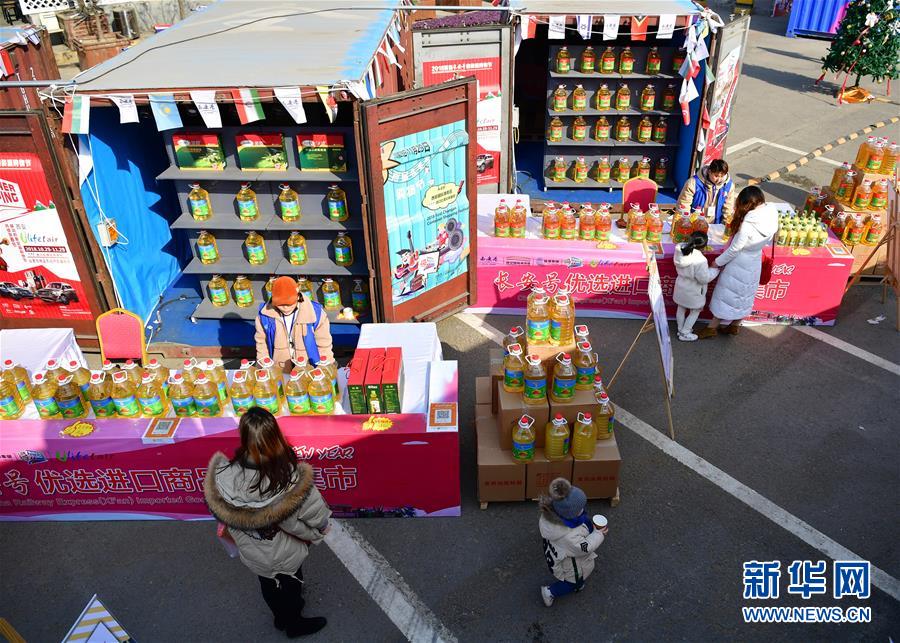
pixel 426 208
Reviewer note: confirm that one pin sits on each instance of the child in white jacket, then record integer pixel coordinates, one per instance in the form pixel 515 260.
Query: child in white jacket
pixel 694 275
pixel 570 539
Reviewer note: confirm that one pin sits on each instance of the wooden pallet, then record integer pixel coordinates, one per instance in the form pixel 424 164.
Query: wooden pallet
pixel 613 502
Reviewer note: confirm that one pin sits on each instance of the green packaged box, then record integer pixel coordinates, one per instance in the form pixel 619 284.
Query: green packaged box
pixel 392 379
pixel 261 152
pixel 198 151
pixel 322 152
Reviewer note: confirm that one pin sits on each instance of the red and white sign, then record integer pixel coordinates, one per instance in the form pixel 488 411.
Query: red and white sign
pixel 727 75
pixel 487 74
pixel 38 275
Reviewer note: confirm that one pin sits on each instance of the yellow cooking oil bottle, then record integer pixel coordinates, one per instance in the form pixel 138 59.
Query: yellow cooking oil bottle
pixel 605 417
pixel 584 437
pixel 265 392
pixel 296 247
pixel 218 291
pixel 216 373
pixel 151 397
pixel 328 366
pixel 331 294
pixel 19 376
pixel 514 370
pixel 535 384
pixel 562 322
pixel 337 204
pixel 343 250
pixel 98 395
pixel 296 392
pixel 160 373
pixel 11 405
pixel 585 367
pixel 181 396
pixel 243 291
pixel 123 396
pixel 206 396
pixel 207 248
pixel 562 387
pixel 199 203
pixel 537 321
pixel 556 438
pixel 53 369
pixel 582 334
pixel 43 393
pixel 523 439
pixel 130 368
pixel 304 287
pixel 248 207
pixel 256 249
pixel 80 375
pixel 515 336
pixel 68 398
pixel 321 393
pixel 189 370
pixel 241 393
pixel 289 204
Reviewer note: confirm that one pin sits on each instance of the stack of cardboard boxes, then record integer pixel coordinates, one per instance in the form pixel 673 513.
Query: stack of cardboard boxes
pixel 500 477
pixel 375 382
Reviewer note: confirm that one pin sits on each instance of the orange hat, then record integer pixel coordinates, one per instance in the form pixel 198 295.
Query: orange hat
pixel 284 291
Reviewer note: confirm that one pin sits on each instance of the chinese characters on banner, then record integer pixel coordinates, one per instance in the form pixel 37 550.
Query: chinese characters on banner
pixel 426 208
pixel 487 74
pixel 727 75
pixel 38 275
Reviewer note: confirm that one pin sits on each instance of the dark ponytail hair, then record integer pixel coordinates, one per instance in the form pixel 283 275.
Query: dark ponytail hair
pixel 698 241
pixel 750 198
pixel 264 448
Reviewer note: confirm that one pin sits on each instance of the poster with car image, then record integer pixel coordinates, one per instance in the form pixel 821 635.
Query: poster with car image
pixel 426 208
pixel 38 275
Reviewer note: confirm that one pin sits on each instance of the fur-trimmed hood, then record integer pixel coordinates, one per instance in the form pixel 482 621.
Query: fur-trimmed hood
pixel 227 489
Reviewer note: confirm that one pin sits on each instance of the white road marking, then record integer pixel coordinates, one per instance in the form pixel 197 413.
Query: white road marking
pixel 760 141
pixel 737 147
pixel 802 530
pixel 387 588
pixel 840 344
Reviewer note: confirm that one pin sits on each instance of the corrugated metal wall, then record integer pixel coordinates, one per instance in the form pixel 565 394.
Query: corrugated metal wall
pixel 815 17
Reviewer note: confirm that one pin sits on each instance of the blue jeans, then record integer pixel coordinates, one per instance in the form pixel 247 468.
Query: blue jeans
pixel 561 587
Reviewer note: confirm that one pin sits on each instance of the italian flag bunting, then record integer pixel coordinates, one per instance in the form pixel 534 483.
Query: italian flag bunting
pixel 77 115
pixel 248 106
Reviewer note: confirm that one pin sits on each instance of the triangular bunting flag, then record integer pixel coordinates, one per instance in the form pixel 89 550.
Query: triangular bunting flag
pixel 76 115
pixel 96 624
pixel 328 100
pixel 710 78
pixel 585 26
pixel 610 26
pixel 6 64
pixel 249 108
pixel 370 81
pixel 20 39
pixel 557 28
pixel 34 36
pixel 165 111
pixel 127 108
pixel 292 101
pixel 394 34
pixel 666 26
pixel 528 27
pixel 639 27
pixel 688 93
pixel 205 102
pixel 388 52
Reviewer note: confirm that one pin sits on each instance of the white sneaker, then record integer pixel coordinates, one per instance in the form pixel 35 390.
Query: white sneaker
pixel 687 337
pixel 547 595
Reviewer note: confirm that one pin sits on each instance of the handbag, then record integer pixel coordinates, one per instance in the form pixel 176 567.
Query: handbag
pixel 768 262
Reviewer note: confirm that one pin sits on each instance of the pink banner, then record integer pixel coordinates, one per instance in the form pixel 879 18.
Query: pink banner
pixel 381 465
pixel 806 287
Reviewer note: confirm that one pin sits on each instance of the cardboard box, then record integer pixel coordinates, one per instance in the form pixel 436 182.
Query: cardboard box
pixel 356 381
pixel 863 174
pixel 500 478
pixel 261 152
pixel 581 402
pixel 877 264
pixel 599 476
pixel 484 411
pixel 512 407
pixel 392 379
pixel 540 472
pixel 483 390
pixel 198 151
pixel 496 372
pixel 322 152
pixel 374 398
pixel 548 354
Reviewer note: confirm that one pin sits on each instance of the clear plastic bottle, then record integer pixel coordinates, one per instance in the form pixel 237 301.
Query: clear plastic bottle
pixel 654 62
pixel 660 131
pixel 588 61
pixel 241 393
pixel 654 227
pixel 863 196
pixel 181 396
pixel 556 438
pixel 879 199
pixel 563 383
pixel 206 396
pixel 216 373
pixel 580 172
pixel 643 169
pixel 523 439
pixel 535 381
pixel 337 204
pixel 199 203
pixel 11 405
pixel 296 392
pixel 559 169
pixel 331 294
pixel 608 61
pixel 604 224
pixel 207 248
pixel 587 223
pixel 20 377
pixel 605 418
pixel 661 171
pixel 550 223
pixel 321 393
pixel 123 396
pixel 555 131
pixel 623 170
pixel 359 297
pixel 579 99
pixel 563 60
pixel 296 247
pixel 43 392
pixel 626 62
pixel 648 99
pixel 289 204
pixel 248 207
pixel 582 334
pixel 517 220
pixel 602 130
pixel 305 288
pixel 80 375
pixel 862 155
pixel 603 98
pixel 343 250
pixel 562 322
pixel 515 335
pixel 874 230
pixel 568 224
pixel 623 98
pixel 598 387
pixel 560 99
pixel 537 321
pixel 151 397
pixel 98 395
pixel 876 156
pixel 265 392
pixel 218 291
pixel 889 164
pixel 584 437
pixel 683 228
pixel 53 369
pixel 838 176
pixel 845 189
pixel 189 370
pixel 501 220
pixel 68 398
pixel 328 366
pixel 243 292
pixel 255 247
pixel 585 363
pixel 133 371
pixel 604 170
pixel 160 373
pixel 645 130
pixel 637 227
pixel 669 98
pixel 267 289
pixel 514 370
pixel 678 60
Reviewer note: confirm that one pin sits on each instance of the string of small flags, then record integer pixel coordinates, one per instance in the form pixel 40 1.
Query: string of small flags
pixel 21 37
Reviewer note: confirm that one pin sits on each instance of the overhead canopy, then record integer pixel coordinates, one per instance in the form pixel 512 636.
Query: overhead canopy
pixel 252 43
pixel 600 7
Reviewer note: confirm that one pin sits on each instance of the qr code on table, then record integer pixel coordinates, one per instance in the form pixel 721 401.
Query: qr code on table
pixel 442 415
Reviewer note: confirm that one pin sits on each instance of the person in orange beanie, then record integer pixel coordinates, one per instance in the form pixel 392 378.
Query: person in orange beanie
pixel 290 326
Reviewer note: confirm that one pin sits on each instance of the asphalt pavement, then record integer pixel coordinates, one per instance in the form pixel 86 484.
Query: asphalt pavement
pixel 807 426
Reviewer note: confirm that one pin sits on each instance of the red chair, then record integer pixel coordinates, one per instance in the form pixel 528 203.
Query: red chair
pixel 640 191
pixel 121 335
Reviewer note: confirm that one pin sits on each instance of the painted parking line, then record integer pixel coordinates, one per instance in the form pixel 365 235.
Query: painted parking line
pixel 781 517
pixel 387 588
pixel 759 141
pixel 840 344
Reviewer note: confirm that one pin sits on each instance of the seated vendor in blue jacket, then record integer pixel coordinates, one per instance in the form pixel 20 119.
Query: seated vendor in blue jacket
pixel 711 190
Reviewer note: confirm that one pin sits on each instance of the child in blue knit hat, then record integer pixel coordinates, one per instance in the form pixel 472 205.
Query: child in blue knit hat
pixel 570 539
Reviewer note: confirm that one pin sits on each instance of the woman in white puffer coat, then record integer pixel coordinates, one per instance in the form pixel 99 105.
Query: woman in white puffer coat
pixel 756 222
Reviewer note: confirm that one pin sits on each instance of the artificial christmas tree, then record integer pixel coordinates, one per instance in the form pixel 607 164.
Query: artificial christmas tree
pixel 867 42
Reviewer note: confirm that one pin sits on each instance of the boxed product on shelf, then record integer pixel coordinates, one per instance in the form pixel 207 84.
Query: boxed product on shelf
pixel 320 152
pixel 599 476
pixel 261 152
pixel 540 472
pixel 374 370
pixel 512 407
pixel 392 379
pixel 581 402
pixel 356 381
pixel 198 151
pixel 500 478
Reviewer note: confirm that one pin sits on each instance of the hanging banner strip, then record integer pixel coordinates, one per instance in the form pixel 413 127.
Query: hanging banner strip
pixel 127 108
pixel 205 101
pixel 292 101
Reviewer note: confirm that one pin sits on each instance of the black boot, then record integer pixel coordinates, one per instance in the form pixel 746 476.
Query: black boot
pixel 306 626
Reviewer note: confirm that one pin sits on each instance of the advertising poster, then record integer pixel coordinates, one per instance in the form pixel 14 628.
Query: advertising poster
pixel 723 98
pixel 487 74
pixel 426 208
pixel 38 275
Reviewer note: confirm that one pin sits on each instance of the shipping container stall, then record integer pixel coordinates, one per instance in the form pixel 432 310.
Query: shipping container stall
pixel 308 103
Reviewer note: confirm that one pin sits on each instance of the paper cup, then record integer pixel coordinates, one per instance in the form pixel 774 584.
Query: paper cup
pixel 600 521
